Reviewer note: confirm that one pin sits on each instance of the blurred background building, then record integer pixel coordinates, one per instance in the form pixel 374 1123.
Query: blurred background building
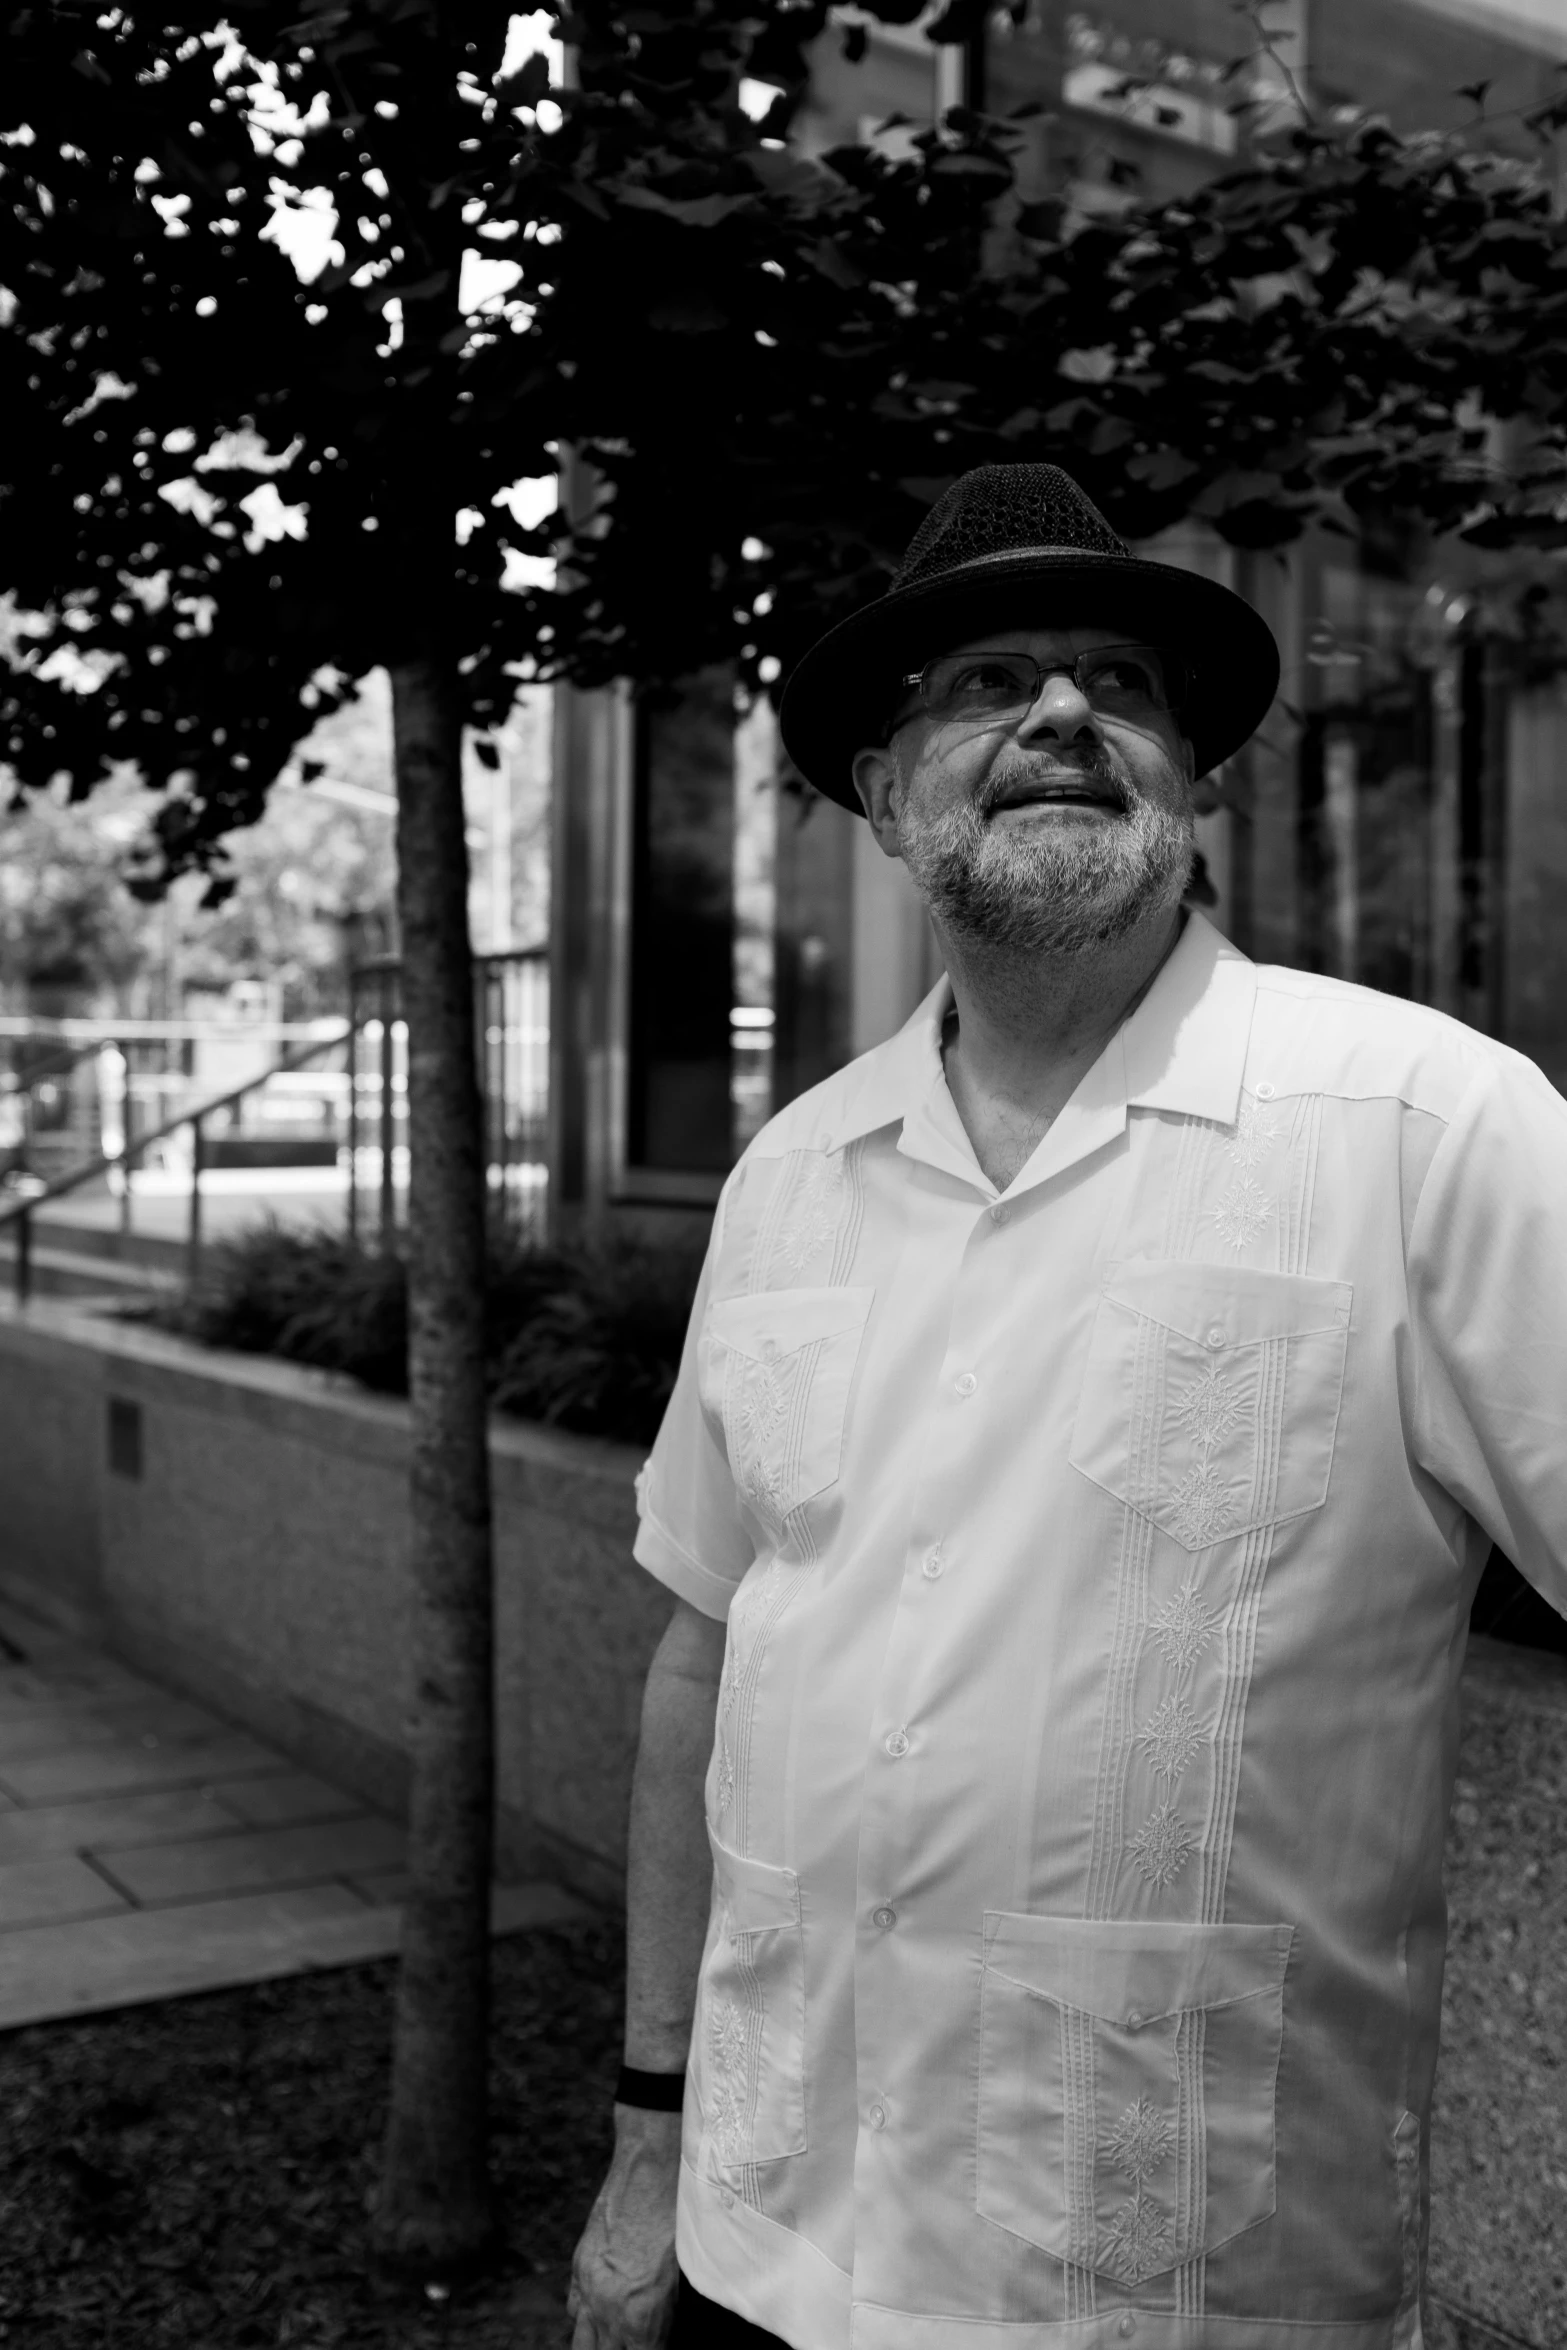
pixel 119 1017
pixel 721 941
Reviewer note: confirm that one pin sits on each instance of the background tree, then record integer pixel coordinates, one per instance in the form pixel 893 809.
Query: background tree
pixel 68 925
pixel 239 494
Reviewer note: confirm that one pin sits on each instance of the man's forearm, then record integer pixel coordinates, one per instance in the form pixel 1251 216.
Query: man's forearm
pixel 669 1878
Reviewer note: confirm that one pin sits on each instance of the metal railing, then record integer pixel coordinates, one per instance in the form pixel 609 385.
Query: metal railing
pixel 512 1027
pixel 511 1008
pixel 20 1212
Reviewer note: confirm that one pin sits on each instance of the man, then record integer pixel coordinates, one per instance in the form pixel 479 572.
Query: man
pixel 1098 1406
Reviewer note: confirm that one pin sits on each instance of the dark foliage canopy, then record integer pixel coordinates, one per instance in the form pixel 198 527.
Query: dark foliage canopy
pixel 767 363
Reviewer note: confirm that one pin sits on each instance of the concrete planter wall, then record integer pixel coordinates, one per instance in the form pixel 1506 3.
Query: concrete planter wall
pixel 239 1528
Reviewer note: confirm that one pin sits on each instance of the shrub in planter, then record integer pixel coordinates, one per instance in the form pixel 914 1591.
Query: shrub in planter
pixel 585 1336
pixel 601 1346
pixel 311 1297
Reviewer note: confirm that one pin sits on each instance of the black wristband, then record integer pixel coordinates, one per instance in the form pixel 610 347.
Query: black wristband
pixel 657 2092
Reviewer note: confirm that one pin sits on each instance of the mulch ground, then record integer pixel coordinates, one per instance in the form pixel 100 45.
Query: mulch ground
pixel 193 2176
pixel 1499 2121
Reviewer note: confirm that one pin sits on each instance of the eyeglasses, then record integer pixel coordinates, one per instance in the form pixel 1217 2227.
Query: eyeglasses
pixel 1118 681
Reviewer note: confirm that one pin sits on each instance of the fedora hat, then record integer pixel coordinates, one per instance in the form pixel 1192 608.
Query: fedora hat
pixel 1020 546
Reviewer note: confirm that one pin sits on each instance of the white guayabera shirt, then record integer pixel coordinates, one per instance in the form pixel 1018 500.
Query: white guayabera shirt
pixel 1097 1559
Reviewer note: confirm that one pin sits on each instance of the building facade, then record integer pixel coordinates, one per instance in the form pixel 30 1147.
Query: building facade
pixel 720 939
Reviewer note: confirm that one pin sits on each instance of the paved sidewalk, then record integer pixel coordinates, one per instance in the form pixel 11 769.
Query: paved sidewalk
pixel 148 1848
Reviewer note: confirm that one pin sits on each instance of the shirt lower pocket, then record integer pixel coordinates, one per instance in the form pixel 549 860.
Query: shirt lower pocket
pixel 749 2047
pixel 1128 2075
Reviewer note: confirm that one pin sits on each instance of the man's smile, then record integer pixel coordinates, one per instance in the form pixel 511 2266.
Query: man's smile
pixel 1060 787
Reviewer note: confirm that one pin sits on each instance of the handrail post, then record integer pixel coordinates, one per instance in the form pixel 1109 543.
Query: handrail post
pixel 388 1201
pixel 24 1256
pixel 125 1143
pixel 193 1253
pixel 353 1117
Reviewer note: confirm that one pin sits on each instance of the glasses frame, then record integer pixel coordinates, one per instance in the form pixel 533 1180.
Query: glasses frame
pixel 1176 671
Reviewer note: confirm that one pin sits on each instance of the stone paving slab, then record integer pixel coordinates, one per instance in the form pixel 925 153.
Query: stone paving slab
pixel 72 1673
pixel 126 1769
pixel 39 1892
pixel 148 1849
pixel 284 1799
pixel 104 1962
pixel 130 1713
pixel 167 1719
pixel 245 1864
pixel 143 1954
pixel 111 1823
pixel 48 1730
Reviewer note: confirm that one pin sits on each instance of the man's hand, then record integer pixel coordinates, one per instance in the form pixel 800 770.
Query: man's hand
pixel 623 2276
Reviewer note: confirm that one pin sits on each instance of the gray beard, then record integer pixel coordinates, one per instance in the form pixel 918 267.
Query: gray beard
pixel 1073 888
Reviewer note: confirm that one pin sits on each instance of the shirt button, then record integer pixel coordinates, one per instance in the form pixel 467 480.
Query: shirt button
pixel 1000 1212
pixel 897 1743
pixel 726 2199
pixel 769 1349
pixel 878 2117
pixel 1133 2021
pixel 884 1917
pixel 932 1564
pixel 965 1383
pixel 1216 1334
pixel 1127 2328
pixel 1266 1090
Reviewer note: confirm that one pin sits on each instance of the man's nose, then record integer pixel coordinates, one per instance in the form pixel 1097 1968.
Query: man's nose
pixel 1060 712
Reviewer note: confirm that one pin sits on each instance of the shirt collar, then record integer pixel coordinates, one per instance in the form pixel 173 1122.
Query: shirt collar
pixel 1183 1049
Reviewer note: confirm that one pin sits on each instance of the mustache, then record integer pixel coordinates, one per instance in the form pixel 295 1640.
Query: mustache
pixel 1093 764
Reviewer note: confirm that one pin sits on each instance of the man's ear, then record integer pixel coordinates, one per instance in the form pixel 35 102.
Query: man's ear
pixel 875 773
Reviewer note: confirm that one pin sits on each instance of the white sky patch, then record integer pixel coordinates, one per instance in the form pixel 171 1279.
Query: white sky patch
pixel 270 518
pixel 304 226
pixel 17 625
pixel 525 36
pixel 274 119
pixel 486 281
pixel 244 451
pixel 187 496
pixel 525 571
pixel 169 210
pixel 79 673
pixel 151 591
pixel 529 502
pixel 106 387
pixel 232 52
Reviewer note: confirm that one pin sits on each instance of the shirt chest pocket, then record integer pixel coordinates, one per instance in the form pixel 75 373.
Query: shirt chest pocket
pixel 1128 2075
pixel 1210 1399
pixel 777 1368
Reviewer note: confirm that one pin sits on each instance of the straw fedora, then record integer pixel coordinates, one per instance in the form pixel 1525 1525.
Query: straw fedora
pixel 1012 546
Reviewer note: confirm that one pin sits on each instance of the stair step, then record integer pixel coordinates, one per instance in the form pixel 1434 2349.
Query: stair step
pixel 59 1272
pixel 105 1244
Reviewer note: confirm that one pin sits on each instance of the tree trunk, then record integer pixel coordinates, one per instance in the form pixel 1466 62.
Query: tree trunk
pixel 434 2205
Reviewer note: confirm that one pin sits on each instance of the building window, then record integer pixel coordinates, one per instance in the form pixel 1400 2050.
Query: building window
pixel 682 931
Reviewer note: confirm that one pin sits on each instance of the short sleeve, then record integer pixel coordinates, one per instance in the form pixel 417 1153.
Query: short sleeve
pixel 689 1533
pixel 1488 1300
